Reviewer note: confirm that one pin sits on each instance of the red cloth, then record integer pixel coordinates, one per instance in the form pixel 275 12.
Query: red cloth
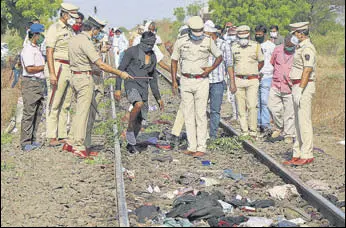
pixel 282 63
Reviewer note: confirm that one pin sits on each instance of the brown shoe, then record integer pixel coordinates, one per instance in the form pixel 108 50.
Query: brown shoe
pixel 188 152
pixel 54 143
pixel 198 154
pixel 62 141
pixel 291 161
pixel 303 161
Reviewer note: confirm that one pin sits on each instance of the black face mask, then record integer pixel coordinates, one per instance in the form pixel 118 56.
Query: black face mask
pixel 259 39
pixel 146 47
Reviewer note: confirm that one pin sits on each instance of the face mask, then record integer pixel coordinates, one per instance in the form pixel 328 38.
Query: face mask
pixel 99 36
pixel 294 40
pixel 40 40
pixel 146 47
pixel 117 36
pixel 243 42
pixel 233 38
pixel 273 34
pixel 259 39
pixel 195 38
pixel 290 49
pixel 76 27
pixel 71 21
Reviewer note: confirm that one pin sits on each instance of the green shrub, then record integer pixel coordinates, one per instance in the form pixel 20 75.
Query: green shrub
pixel 331 44
pixel 6 138
pixel 14 41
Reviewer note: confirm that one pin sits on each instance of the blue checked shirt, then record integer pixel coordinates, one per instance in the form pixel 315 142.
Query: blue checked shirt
pixel 219 74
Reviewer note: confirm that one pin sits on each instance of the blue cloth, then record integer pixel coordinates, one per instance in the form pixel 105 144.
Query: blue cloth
pixel 16 74
pixel 36 28
pixel 216 91
pixel 263 112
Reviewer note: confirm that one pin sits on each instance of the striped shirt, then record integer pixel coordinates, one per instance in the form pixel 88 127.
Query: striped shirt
pixel 219 74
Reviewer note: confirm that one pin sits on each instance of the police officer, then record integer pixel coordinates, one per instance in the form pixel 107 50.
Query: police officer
pixel 248 61
pixel 58 82
pixel 82 54
pixel 303 78
pixel 32 87
pixel 100 45
pixel 194 49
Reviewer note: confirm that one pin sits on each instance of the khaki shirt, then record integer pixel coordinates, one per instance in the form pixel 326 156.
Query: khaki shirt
pixel 194 54
pixel 58 36
pixel 305 56
pixel 82 52
pixel 246 59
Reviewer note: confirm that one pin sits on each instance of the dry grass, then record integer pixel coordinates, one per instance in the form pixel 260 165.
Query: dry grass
pixel 9 97
pixel 329 102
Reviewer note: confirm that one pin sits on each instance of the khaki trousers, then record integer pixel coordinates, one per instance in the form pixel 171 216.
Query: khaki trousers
pixel 58 114
pixel 96 99
pixel 281 109
pixel 179 121
pixel 83 86
pixel 247 98
pixel 194 95
pixel 303 146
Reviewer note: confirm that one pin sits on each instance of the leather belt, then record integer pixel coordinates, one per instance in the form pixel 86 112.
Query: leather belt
pixel 63 61
pixel 81 72
pixel 297 81
pixel 249 77
pixel 193 76
pixel 34 78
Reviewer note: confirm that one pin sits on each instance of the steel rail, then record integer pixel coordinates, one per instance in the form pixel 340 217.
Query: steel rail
pixel 120 186
pixel 335 216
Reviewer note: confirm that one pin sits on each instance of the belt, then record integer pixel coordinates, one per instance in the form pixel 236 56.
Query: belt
pixel 63 61
pixel 34 78
pixel 81 72
pixel 249 77
pixel 193 76
pixel 297 81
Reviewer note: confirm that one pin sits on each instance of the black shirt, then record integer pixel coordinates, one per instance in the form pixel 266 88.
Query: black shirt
pixel 133 64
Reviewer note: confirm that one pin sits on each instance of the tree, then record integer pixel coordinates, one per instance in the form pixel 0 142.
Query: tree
pixel 194 8
pixel 179 13
pixel 254 12
pixel 15 14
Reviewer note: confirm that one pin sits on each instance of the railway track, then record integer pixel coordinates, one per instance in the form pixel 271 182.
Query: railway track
pixel 330 211
pixel 132 198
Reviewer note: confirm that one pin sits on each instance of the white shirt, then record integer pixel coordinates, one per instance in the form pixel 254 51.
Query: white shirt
pixel 120 43
pixel 268 49
pixel 32 56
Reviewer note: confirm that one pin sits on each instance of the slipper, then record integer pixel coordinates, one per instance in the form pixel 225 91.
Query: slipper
pixel 164 146
pixel 82 154
pixel 198 154
pixel 54 144
pixel 188 152
pixel 67 147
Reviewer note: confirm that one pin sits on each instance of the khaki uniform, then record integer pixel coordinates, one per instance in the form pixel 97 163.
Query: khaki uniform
pixel 82 53
pixel 195 92
pixel 58 36
pixel 305 56
pixel 97 97
pixel 246 61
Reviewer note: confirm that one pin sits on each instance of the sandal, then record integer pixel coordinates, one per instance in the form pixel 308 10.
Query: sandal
pixel 82 154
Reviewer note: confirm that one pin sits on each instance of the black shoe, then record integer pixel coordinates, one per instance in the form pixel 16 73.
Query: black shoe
pixel 132 149
pixel 273 140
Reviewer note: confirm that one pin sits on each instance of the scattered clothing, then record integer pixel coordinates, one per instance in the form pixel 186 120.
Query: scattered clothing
pixel 227 221
pixel 283 192
pixel 176 222
pixel 202 206
pixel 257 222
pixel 146 212
pixel 230 174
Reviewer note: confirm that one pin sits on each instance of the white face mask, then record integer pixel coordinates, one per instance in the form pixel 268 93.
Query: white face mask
pixel 274 34
pixel 243 42
pixel 294 40
pixel 71 21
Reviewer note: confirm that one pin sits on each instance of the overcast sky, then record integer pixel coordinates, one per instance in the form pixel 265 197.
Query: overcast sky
pixel 129 13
